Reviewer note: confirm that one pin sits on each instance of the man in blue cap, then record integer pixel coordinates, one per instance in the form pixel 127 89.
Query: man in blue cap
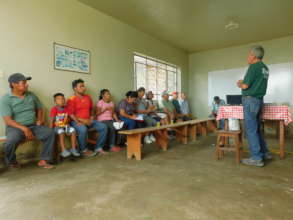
pixel 22 113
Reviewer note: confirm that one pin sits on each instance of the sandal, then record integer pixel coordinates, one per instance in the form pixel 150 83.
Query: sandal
pixel 45 165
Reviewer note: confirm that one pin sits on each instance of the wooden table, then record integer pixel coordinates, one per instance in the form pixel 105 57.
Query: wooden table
pixel 281 114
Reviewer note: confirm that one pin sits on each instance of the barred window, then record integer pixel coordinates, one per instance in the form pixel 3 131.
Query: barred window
pixel 156 76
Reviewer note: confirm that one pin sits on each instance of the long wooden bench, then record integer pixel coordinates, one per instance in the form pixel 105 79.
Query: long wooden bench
pixel 182 129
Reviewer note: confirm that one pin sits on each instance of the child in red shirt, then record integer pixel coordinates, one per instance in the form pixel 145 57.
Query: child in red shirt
pixel 60 122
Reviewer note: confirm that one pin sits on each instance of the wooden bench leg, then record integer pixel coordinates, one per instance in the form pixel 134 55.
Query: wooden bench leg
pixel 282 139
pixel 192 132
pixel 56 156
pixel 204 129
pixel 218 148
pixel 184 134
pixel 212 126
pixel 162 139
pixel 181 134
pixel 133 146
pixel 237 148
pixel 226 139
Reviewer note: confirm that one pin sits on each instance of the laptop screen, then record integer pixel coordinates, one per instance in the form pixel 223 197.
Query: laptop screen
pixel 234 99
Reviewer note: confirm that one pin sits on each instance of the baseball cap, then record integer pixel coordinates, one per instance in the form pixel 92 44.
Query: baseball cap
pixel 165 93
pixel 16 77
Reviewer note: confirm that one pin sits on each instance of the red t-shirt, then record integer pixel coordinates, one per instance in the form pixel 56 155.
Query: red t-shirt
pixel 60 115
pixel 80 107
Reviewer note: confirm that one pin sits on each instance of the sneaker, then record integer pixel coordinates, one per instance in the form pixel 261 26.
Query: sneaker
pixel 268 156
pixel 147 140
pixel 252 162
pixel 101 152
pixel 152 138
pixel 65 153
pixel 74 152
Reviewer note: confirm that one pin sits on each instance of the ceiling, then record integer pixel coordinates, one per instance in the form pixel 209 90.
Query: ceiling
pixel 198 25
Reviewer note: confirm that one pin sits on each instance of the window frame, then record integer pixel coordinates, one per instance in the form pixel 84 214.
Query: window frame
pixel 158 65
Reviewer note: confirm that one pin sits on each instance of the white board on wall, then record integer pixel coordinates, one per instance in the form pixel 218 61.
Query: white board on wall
pixel 280 85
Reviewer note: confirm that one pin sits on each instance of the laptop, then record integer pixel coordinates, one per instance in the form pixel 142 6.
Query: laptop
pixel 234 99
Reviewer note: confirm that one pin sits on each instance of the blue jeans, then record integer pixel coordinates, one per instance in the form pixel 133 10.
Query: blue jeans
pixel 222 124
pixel 15 136
pixel 130 123
pixel 252 108
pixel 82 133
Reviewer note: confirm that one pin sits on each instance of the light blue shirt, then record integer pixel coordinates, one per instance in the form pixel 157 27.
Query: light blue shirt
pixel 184 106
pixel 215 106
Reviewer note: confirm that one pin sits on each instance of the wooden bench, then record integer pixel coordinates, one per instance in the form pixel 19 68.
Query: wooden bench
pixel 182 129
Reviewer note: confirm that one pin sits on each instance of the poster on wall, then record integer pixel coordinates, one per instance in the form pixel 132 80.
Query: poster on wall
pixel 71 59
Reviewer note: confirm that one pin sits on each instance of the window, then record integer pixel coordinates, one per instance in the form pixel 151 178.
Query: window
pixel 155 75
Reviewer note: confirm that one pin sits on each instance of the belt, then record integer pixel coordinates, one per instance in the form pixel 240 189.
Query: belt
pixel 249 97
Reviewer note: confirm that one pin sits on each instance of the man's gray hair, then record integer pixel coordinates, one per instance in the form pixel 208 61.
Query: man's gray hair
pixel 258 51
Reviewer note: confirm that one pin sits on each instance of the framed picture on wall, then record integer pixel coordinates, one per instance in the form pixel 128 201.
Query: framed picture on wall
pixel 71 59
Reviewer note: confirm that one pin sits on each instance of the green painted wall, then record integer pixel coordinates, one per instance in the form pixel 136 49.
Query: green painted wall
pixel 277 51
pixel 29 29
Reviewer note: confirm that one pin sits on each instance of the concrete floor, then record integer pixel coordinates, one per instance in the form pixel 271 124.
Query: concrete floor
pixel 186 182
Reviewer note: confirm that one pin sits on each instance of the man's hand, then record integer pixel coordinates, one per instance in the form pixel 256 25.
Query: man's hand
pixel 133 117
pixel 39 122
pixel 28 133
pixel 239 83
pixel 88 122
pixel 242 85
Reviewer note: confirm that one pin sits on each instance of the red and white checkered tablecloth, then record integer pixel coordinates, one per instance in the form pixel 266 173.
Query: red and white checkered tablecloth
pixel 270 112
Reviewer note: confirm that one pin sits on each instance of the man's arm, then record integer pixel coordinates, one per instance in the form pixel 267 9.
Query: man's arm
pixel 40 117
pixel 27 132
pixel 242 85
pixel 51 123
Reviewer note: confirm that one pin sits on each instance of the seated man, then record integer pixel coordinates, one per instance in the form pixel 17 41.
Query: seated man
pixel 145 110
pixel 184 107
pixel 176 104
pixel 168 108
pixel 215 107
pixel 156 114
pixel 23 115
pixel 81 110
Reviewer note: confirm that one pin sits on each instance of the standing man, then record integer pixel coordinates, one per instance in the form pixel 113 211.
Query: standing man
pixel 22 113
pixel 254 87
pixel 80 107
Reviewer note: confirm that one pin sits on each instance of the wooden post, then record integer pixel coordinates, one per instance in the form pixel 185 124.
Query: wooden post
pixel 282 139
pixel 133 146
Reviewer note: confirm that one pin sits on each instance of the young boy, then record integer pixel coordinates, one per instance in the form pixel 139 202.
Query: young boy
pixel 60 122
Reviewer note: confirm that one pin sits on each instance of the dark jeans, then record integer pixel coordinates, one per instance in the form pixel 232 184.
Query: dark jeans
pixel 252 108
pixel 111 132
pixel 15 136
pixel 132 124
pixel 82 133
